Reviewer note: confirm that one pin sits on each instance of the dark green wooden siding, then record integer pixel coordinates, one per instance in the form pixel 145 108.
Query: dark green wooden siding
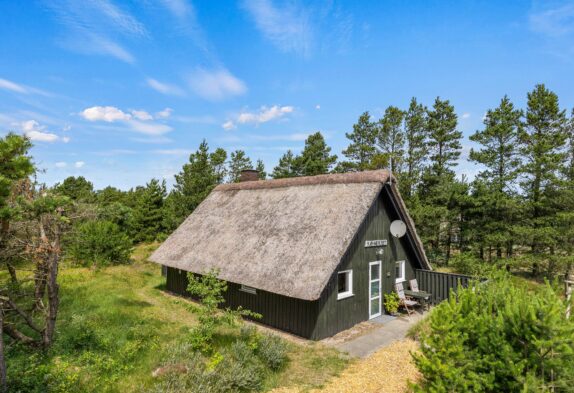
pixel 440 284
pixel 328 316
pixel 289 314
pixel 337 315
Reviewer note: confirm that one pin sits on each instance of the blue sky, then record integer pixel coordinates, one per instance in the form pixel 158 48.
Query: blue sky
pixel 123 91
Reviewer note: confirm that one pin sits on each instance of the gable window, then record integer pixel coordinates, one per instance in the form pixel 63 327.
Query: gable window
pixel 344 284
pixel 400 271
pixel 248 289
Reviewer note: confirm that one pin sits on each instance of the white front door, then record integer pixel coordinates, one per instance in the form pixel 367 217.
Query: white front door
pixel 374 289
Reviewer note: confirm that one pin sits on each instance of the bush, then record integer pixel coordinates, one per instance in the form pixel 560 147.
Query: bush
pixel 391 302
pixel 99 243
pixel 272 351
pixel 498 337
pixel 467 263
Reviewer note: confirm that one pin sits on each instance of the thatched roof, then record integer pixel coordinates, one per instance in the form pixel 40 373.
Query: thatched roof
pixel 284 236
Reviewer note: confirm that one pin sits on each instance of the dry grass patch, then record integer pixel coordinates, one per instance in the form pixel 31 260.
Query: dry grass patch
pixel 386 371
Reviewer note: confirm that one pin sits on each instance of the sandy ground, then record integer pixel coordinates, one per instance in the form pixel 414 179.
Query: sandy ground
pixel 387 370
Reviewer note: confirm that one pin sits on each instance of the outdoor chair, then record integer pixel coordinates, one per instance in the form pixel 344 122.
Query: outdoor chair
pixel 404 301
pixel 415 288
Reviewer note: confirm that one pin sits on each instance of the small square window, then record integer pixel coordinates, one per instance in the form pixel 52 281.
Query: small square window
pixel 400 271
pixel 248 289
pixel 344 284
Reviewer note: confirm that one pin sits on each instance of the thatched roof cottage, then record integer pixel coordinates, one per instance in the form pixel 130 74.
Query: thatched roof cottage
pixel 313 255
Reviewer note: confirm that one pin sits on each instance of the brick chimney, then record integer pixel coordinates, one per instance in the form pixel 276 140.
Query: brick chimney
pixel 248 175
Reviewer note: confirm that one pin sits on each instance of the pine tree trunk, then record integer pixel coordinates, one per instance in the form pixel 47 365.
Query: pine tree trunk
pixel 3 382
pixel 53 288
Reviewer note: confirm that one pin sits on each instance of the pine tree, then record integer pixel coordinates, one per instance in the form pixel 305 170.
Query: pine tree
pixel 149 211
pixel 499 139
pixel 218 161
pixel 239 162
pixel 287 167
pixel 416 151
pixel 76 188
pixel 542 145
pixel 496 208
pixel 444 139
pixel 391 138
pixel 260 168
pixel 192 185
pixel 362 148
pixel 315 159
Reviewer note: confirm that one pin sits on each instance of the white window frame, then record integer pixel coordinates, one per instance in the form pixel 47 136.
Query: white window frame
pixel 402 277
pixel 349 292
pixel 248 289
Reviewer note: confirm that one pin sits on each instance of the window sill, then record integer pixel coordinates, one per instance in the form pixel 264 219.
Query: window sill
pixel 400 281
pixel 345 296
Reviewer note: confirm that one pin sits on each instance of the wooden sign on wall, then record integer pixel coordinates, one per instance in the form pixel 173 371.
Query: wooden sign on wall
pixel 375 243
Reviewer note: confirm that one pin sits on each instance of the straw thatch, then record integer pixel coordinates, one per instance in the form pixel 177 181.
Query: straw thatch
pixel 284 236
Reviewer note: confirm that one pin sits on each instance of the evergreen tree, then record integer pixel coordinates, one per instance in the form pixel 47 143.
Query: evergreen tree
pixel 260 168
pixel 239 162
pixel 218 160
pixel 391 138
pixel 499 139
pixel 315 159
pixel 542 145
pixel 444 139
pixel 416 150
pixel 287 167
pixel 192 185
pixel 495 206
pixel 439 188
pixel 76 188
pixel 149 211
pixel 362 148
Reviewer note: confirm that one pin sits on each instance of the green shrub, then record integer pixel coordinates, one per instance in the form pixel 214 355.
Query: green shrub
pixel 391 302
pixel 99 243
pixel 272 351
pixel 498 337
pixel 468 263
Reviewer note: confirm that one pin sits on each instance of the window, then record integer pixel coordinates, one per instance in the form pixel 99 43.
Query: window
pixel 345 284
pixel 400 271
pixel 247 289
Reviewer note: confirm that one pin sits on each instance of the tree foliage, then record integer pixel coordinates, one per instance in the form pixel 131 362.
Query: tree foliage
pixel 498 337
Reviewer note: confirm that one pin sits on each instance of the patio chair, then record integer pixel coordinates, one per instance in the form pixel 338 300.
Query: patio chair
pixel 404 301
pixel 415 288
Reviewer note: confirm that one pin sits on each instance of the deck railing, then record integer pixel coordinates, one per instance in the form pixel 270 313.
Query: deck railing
pixel 439 284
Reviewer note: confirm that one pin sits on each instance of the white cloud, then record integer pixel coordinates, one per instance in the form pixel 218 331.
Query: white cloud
pixel 553 22
pixel 179 8
pixel 60 164
pixel 465 115
pixel 164 88
pixel 138 121
pixel 164 114
pixel 265 114
pixel 317 106
pixel 141 115
pixel 108 114
pixel 6 84
pixel 93 26
pixel 228 125
pixel 36 132
pixel 79 164
pixel 289 28
pixel 65 139
pixel 149 128
pixel 12 86
pixel 215 85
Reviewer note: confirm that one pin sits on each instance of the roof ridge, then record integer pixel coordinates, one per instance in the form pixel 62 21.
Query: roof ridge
pixel 376 176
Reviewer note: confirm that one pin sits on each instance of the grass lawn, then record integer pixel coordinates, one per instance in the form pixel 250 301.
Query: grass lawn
pixel 115 327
